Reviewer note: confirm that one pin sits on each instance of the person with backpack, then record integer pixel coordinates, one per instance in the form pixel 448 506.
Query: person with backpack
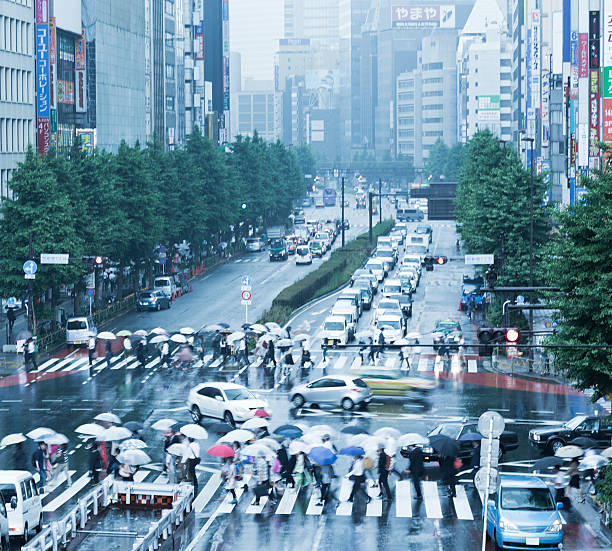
pixel 192 458
pixel 358 477
pixel 417 469
pixel 61 460
pixel 383 468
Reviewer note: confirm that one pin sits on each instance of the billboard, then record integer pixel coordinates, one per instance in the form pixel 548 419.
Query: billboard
pixel 594 113
pixel 423 16
pixel 88 139
pixel 43 99
pixel 574 65
pixel 488 108
pixel 535 58
pixel 199 41
pixel 65 92
pixel 607 120
pixel 583 55
pixel 80 80
pixel 607 34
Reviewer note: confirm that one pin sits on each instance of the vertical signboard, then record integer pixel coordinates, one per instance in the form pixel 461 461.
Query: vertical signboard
pixel 606 62
pixel 226 69
pixel 544 106
pixel 199 41
pixel 43 101
pixel 574 65
pixel 80 80
pixel 594 115
pixel 535 58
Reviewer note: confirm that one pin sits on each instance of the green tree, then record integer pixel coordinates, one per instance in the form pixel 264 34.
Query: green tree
pixel 456 158
pixel 436 162
pixel 580 264
pixel 306 159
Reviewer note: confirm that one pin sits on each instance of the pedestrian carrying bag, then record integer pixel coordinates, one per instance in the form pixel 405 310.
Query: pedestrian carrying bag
pixel 261 490
pixel 368 463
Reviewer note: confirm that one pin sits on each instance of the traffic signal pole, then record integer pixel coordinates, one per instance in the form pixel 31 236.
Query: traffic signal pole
pixel 30 289
pixel 342 211
pixel 380 200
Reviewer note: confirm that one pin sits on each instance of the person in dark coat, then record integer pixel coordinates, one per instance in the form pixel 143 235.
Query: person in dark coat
pixel 140 354
pixel 95 462
pixel 447 471
pixel 20 461
pixel 383 468
pixel 287 465
pixel 417 470
pixel 475 461
pixel 109 352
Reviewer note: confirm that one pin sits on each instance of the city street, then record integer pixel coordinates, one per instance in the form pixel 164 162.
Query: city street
pixel 64 396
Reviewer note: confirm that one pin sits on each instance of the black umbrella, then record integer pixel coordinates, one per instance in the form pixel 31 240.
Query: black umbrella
pixel 133 426
pixel 445 446
pixel 220 428
pixel 584 442
pixel 352 429
pixel 225 325
pixel 176 427
pixel 547 463
pixel 290 431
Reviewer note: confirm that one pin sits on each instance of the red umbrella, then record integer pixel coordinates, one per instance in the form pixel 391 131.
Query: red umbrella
pixel 262 413
pixel 221 450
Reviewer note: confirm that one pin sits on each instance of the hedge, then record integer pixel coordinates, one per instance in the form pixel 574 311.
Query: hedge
pixel 333 273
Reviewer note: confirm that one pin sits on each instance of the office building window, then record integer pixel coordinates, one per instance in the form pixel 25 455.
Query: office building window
pixel 169 103
pixel 170 7
pixel 169 71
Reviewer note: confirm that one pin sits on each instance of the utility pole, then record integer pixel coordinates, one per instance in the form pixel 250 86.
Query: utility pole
pixel 370 214
pixel 380 199
pixel 30 288
pixel 342 208
pixel 531 142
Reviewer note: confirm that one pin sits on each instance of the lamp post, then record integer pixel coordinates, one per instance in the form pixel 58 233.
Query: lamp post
pixel 342 209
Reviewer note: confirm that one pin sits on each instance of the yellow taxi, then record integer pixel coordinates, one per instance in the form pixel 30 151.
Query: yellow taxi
pixel 393 382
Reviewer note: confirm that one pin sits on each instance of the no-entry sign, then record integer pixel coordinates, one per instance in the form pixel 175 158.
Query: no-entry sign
pixel 246 296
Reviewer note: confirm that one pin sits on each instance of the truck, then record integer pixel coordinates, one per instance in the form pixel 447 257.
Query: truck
pixel 275 232
pixel 318 201
pixel 278 249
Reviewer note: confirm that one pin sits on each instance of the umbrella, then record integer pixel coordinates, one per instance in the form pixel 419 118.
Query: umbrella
pixel 213 327
pixel 163 424
pixel 143 333
pixel 471 436
pixel 569 452
pixel 220 428
pixel 272 325
pixel 176 427
pixel 279 332
pixel 261 413
pixel 194 431
pixel 547 463
pixel 354 429
pixel 584 442
pixel 157 331
pixel 181 339
pixel 285 343
pixel 23 335
pixel 246 326
pixel 158 338
pixel 114 434
pixel 386 432
pixel 133 457
pixel 401 342
pixel 223 325
pixel 221 450
pixel 255 423
pixel 352 450
pixel 357 439
pixel 289 431
pixel 10 439
pixel 107 335
pixel 90 429
pixel 108 417
pixel 40 433
pixel 323 430
pixel 237 435
pixel 594 462
pixel 322 455
pixel 57 439
pixel 176 449
pixel 265 338
pixel 187 331
pixel 133 444
pixel 235 337
pixel 258 328
pixel 135 338
pixel 226 331
pixel 297 446
pixel 412 439
pixel 300 338
pixel 257 449
pixel 270 443
pixel 607 452
pixel 124 333
pixel 445 446
pixel 312 438
pixel 133 426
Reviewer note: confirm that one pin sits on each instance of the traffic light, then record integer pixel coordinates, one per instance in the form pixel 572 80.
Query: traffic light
pixel 99 261
pixel 428 261
pixel 491 275
pixel 485 335
pixel 492 336
pixel 512 335
pixel 441 260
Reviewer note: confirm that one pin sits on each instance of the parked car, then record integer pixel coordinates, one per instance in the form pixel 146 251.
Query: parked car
pixel 78 330
pixel 153 300
pixel 23 504
pixel 255 244
pixel 550 439
pixel 303 255
pixel 347 391
pixel 165 284
pixel 227 401
pixel 523 515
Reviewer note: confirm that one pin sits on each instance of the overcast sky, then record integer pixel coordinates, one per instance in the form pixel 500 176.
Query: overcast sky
pixel 255 25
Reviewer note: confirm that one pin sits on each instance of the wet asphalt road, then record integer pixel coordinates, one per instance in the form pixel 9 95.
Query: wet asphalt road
pixel 63 400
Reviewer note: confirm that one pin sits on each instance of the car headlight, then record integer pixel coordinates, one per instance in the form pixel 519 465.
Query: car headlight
pixel 536 437
pixel 556 526
pixel 427 449
pixel 505 524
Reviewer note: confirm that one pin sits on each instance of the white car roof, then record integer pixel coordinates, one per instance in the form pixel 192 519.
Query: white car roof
pixel 14 476
pixel 334 318
pixel 219 385
pixel 393 282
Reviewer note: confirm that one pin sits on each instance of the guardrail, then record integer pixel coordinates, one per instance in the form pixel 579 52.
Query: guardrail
pixel 124 494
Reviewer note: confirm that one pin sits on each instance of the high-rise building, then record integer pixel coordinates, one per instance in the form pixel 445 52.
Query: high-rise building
pixel 313 19
pixel 17 87
pixel 253 110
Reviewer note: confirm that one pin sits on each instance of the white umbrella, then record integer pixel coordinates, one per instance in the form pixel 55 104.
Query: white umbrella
pixel 258 328
pixel 256 449
pixel 279 332
pixel 607 452
pixel 300 338
pixel 357 439
pixel 323 429
pixel 235 337
pixel 270 443
pixel 214 327
pixel 10 439
pixel 401 342
pixel 187 330
pixel 371 443
pixel 133 457
pixel 272 325
pixel 255 423
pixel 569 452
pixel 40 433
pixel 57 439
pixel 108 417
pixel 412 439
pixel 285 343
pixel 107 335
pixel 265 338
pixel 143 333
pixel 594 462
pixel 133 444
pixel 297 446
pixel 90 429
pixel 238 435
pixel 158 338
pixel 181 339
pixel 114 434
pixel 163 424
pixel 194 431
pixel 158 331
pixel 388 431
pixel 312 439
pixel 176 449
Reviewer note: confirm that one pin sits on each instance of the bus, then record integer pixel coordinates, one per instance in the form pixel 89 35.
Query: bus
pixel 329 197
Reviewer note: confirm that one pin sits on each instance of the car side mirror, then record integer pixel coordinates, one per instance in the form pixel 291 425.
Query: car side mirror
pixel 14 502
pixel 219 398
pixel 559 505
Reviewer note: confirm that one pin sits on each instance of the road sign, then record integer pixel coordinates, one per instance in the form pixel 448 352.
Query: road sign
pixel 162 249
pixel 54 258
pixel 90 281
pixel 520 299
pixel 162 259
pixel 491 424
pixel 479 259
pixel 246 281
pixel 480 480
pixel 30 276
pixel 492 445
pixel 30 267
pixel 11 302
pixel 551 324
pixel 246 295
pixel 90 292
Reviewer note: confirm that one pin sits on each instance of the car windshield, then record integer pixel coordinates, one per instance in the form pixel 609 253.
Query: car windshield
pixel 8 491
pixel 526 499
pixel 365 292
pixel 447 326
pixel 360 383
pixel 387 253
pixel 334 326
pixel 447 429
pixel 387 305
pixel 146 295
pixel 375 265
pixel 393 288
pixel 316 244
pixel 393 324
pixel 277 243
pixel 252 240
pixel 303 251
pixel 238 394
pixel 76 324
pixel 575 421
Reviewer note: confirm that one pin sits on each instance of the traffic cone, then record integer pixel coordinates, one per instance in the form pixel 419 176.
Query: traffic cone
pixel 190 288
pixel 173 296
pixel 179 292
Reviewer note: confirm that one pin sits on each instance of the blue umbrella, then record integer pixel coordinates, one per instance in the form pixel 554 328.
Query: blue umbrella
pixel 352 450
pixel 471 436
pixel 322 455
pixel 224 325
pixel 246 325
pixel 289 431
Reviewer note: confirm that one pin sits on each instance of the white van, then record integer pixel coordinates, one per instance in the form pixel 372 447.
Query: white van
pixel 346 311
pixel 78 330
pixel 335 332
pixel 418 239
pixel 165 284
pixel 391 287
pixel 23 504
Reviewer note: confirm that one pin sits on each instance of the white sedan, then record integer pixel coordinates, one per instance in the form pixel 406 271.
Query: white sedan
pixel 226 401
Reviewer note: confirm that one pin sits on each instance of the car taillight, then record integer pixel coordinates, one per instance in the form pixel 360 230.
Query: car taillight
pixel 356 389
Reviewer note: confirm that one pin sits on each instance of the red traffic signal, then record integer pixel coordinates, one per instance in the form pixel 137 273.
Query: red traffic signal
pixel 512 335
pixel 441 260
pixel 99 260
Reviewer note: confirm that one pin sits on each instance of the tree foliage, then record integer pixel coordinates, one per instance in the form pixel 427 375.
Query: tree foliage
pixel 444 163
pixel 580 264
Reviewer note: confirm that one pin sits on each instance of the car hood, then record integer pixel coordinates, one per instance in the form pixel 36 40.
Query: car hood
pixel 549 431
pixel 536 521
pixel 251 403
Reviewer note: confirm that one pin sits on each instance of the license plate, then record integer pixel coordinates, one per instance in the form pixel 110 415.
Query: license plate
pixel 330 341
pixel 532 541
